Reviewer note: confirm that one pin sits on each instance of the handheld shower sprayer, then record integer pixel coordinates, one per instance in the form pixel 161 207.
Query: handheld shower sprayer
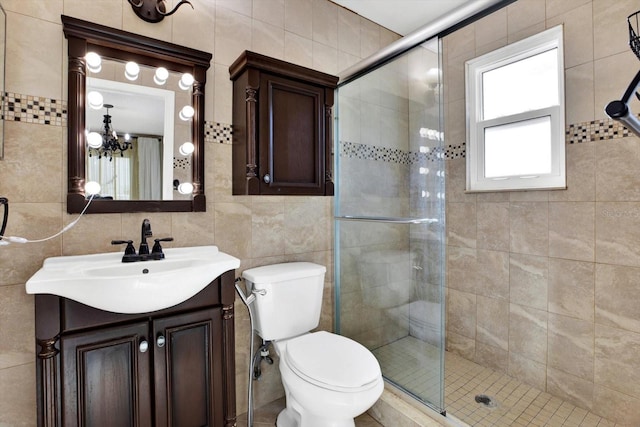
pixel 619 110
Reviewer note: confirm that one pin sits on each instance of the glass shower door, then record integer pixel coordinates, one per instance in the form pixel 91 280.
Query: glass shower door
pixel 390 219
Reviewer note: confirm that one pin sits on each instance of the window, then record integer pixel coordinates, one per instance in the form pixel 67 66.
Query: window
pixel 515 116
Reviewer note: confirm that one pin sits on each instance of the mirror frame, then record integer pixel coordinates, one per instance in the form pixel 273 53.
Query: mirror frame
pixel 82 37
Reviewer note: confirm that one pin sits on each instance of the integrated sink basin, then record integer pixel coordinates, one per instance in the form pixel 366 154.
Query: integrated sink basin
pixel 103 281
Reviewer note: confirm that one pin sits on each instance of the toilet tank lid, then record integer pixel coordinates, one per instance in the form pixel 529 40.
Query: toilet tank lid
pixel 281 272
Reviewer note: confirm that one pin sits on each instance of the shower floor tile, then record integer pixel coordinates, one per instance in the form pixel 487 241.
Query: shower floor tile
pixel 516 404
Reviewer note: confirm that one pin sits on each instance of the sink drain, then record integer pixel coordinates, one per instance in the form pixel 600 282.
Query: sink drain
pixel 486 401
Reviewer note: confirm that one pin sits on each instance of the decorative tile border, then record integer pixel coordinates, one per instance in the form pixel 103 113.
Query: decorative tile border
pixel 596 130
pixel 217 132
pixel 34 109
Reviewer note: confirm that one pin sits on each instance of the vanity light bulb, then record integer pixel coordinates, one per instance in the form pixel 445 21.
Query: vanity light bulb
pixel 94 62
pixel 161 76
pixel 127 137
pixel 187 148
pixel 186 81
pixel 187 112
pixel 185 188
pixel 95 100
pixel 91 188
pixel 424 171
pixel 424 149
pixel 131 70
pixel 94 140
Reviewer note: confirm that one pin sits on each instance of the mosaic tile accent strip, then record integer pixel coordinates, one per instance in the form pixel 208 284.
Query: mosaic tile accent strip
pixel 219 133
pixel 34 109
pixel 182 163
pixel 596 130
pixel 392 155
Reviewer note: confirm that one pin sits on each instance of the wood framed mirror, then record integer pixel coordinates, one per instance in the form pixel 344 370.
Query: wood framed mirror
pixel 119 47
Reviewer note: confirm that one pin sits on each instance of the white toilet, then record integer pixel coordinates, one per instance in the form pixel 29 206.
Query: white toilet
pixel 328 379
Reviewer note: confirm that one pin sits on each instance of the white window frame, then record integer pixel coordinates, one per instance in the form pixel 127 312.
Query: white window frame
pixel 474 68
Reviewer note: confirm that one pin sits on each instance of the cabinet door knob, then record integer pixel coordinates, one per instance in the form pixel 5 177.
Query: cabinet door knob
pixel 266 178
pixel 144 346
pixel 160 341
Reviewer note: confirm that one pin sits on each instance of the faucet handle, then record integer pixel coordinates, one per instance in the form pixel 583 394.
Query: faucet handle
pixel 157 249
pixel 129 250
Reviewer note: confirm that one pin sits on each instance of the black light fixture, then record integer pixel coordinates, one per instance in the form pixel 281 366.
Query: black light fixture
pixel 154 10
pixel 107 144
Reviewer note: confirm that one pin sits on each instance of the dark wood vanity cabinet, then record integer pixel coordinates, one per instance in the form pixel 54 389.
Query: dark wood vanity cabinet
pixel 173 367
pixel 282 127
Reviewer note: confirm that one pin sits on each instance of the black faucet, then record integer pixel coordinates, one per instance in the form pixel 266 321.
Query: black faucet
pixel 144 233
pixel 143 253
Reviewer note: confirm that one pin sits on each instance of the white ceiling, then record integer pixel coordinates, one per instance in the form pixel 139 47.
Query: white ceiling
pixel 402 16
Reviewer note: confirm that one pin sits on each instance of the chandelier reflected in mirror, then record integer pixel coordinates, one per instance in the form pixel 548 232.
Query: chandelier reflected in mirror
pixel 107 144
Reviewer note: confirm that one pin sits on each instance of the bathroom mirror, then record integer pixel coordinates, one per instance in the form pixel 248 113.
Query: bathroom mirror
pixel 181 118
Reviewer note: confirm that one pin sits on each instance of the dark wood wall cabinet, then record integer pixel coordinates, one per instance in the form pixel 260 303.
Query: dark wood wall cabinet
pixel 282 127
pixel 173 367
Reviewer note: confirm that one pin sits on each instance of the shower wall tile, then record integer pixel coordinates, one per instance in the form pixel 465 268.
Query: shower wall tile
pixel 526 32
pixel 618 233
pixel 456 182
pixel 557 7
pixel 623 66
pixel 617 296
pixel 616 170
pixel 527 370
pixel 17 407
pixel 461 345
pixel 460 230
pixel 462 267
pixel 524 13
pixel 18 327
pixel 492 233
pixel 619 407
pixel 462 313
pixel 528 333
pixel 571 348
pixel 581 174
pixel 579 93
pixel 528 280
pixel 572 230
pixel 572 288
pixel 493 322
pixel 570 388
pixel 617 365
pixel 577 33
pixel 492 271
pixel 493 357
pixel 529 228
pixel 611 35
pixel 492 28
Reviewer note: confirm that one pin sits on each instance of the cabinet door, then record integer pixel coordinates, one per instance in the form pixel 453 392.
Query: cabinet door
pixel 106 377
pixel 291 137
pixel 188 369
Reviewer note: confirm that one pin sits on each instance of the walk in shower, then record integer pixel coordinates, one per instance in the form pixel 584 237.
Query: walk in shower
pixel 390 219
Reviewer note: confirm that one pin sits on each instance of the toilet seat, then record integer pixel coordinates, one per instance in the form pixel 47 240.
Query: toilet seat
pixel 332 362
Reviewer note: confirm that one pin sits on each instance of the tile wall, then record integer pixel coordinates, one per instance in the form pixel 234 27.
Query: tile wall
pixel 258 230
pixel 543 285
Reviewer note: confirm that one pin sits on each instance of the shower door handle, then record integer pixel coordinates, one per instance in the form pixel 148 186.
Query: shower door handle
pixel 388 219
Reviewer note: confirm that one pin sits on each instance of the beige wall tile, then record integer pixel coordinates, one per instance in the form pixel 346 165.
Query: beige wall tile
pixel 557 7
pixel 572 230
pixel 269 11
pixel 617 296
pixel 492 274
pixel 18 390
pixel 232 35
pixel 621 407
pixel 579 94
pixel 462 269
pixel 461 318
pixel 526 32
pixel 524 13
pixel 106 12
pixel 573 389
pixel 233 229
pixel 369 38
pixel 610 31
pixel 493 322
pixel 493 27
pixel 529 228
pixel 187 24
pixel 617 365
pixel 528 333
pixel 461 42
pixel 298 49
pixel 493 230
pixel 325 23
pixel 461 345
pixel 267 229
pixel 49 11
pixel 581 174
pixel 617 233
pixel 298 17
pixel 493 357
pixel 572 288
pixel 348 32
pixel 577 33
pixel 307 221
pixel 616 179
pixel 570 346
pixel 527 370
pixel 607 87
pixel 267 39
pixel 17 346
pixel 528 280
pixel 456 174
pixel 461 229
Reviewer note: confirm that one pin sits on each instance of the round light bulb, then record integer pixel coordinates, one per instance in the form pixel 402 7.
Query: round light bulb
pixel 127 137
pixel 187 113
pixel 161 76
pixel 94 62
pixel 131 70
pixel 186 81
pixel 95 100
pixel 185 188
pixel 187 148
pixel 91 188
pixel 94 140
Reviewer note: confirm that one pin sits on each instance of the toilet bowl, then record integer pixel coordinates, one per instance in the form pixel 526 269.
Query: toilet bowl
pixel 328 379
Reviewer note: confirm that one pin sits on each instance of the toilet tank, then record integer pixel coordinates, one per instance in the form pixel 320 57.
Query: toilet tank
pixel 288 298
